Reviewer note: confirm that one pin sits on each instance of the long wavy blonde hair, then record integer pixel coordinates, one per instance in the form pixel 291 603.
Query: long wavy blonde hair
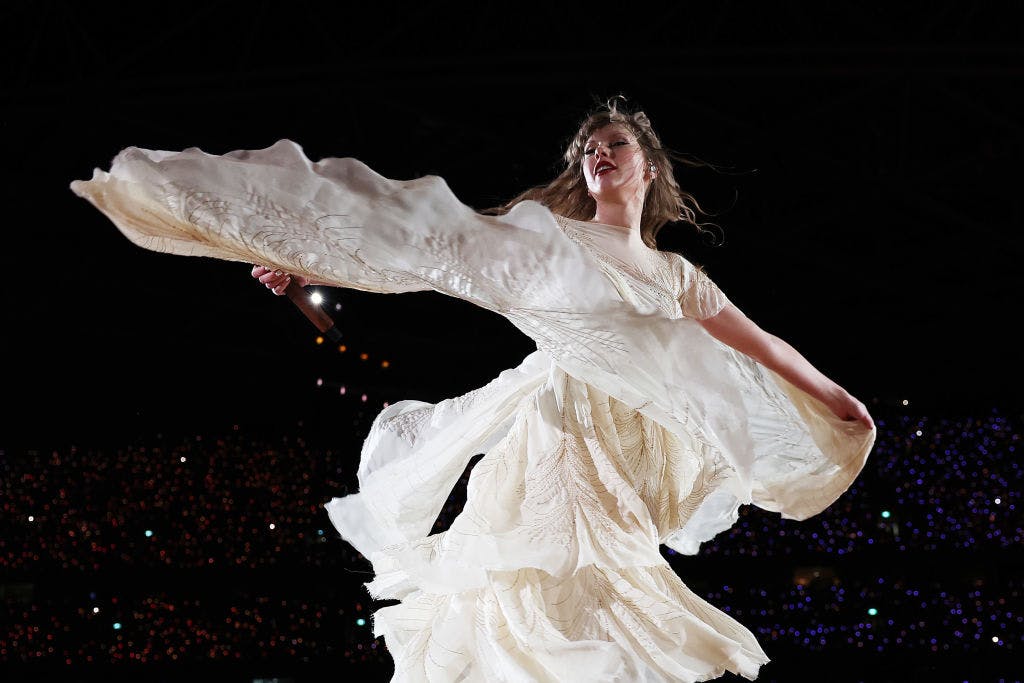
pixel 665 203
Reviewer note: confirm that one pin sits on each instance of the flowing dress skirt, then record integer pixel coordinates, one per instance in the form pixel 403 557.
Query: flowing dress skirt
pixel 553 570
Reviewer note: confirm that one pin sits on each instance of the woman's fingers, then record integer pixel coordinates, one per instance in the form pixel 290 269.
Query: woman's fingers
pixel 281 284
pixel 275 280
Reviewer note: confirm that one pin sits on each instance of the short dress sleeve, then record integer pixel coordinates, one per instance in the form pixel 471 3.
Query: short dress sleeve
pixel 699 297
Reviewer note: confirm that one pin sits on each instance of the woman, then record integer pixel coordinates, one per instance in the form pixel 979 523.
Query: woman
pixel 652 409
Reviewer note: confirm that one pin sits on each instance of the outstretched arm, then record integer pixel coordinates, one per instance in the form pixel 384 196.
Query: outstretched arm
pixel 732 327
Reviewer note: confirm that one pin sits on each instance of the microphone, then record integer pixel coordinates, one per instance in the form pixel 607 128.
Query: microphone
pixel 300 297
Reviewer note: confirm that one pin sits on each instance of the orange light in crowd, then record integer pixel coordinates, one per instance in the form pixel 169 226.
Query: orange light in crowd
pixel 342 348
pixel 364 356
pixel 385 363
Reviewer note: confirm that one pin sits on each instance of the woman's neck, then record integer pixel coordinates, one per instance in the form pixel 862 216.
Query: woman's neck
pixel 626 216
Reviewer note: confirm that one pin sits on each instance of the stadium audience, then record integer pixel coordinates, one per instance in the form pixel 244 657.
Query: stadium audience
pixel 235 524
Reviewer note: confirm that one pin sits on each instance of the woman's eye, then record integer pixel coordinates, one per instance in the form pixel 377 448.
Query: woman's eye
pixel 591 150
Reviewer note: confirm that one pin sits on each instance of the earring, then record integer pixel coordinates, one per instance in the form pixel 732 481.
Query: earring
pixel 651 168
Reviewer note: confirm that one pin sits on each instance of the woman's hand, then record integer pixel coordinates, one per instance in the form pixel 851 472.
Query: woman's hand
pixel 276 280
pixel 848 408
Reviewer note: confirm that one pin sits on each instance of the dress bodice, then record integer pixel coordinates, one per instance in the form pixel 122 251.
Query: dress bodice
pixel 649 279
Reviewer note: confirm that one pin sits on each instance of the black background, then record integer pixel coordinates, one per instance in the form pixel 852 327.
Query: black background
pixel 870 204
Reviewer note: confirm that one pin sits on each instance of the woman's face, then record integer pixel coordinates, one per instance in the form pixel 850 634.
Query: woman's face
pixel 613 163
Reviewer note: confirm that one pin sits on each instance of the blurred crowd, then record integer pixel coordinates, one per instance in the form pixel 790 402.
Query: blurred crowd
pixel 906 560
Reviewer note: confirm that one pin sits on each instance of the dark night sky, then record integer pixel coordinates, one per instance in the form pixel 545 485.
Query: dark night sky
pixel 871 205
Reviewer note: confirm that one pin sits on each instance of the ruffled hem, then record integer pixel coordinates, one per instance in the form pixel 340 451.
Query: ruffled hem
pixel 600 625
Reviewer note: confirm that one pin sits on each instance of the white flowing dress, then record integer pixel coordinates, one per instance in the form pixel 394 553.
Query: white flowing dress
pixel 630 427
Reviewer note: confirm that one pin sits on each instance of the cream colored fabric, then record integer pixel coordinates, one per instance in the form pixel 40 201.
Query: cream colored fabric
pixel 552 572
pixel 628 428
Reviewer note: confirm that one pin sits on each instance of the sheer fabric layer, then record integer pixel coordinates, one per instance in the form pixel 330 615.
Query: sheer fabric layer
pixel 337 221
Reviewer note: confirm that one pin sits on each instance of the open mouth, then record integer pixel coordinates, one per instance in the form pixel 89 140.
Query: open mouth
pixel 604 167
